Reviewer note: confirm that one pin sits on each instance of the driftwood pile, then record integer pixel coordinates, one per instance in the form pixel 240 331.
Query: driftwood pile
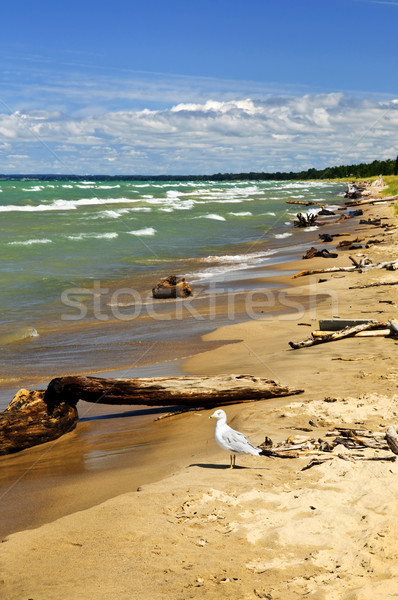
pixel 35 417
pixel 336 329
pixel 341 442
pixel 364 264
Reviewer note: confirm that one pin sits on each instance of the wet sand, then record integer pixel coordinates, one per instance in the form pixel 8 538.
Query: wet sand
pixel 266 529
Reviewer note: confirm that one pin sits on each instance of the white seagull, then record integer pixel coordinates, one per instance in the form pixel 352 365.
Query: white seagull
pixel 229 439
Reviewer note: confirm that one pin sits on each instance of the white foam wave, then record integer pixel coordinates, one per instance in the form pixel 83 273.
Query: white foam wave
pixel 115 214
pixel 35 188
pixel 146 231
pixel 270 214
pixel 175 203
pixel 238 258
pixel 241 214
pixel 281 236
pixel 66 204
pixel 213 216
pixel 105 236
pixel 230 262
pixel 31 242
pixel 107 187
pixel 96 236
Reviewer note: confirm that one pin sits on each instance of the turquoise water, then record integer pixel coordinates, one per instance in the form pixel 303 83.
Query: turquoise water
pixel 76 257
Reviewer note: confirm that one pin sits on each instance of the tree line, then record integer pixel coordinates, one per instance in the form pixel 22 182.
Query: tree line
pixel 361 170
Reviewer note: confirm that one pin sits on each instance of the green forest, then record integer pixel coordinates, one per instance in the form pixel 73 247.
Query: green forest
pixel 362 170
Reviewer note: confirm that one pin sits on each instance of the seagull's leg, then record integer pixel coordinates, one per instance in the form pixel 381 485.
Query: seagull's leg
pixel 231 461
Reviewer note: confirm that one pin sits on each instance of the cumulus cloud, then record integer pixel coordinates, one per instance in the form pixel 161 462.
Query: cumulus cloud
pixel 274 133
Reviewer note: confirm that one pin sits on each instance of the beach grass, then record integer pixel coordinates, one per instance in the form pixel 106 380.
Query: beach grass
pixel 392 185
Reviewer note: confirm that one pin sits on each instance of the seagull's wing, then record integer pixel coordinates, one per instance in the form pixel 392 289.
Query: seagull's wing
pixel 237 442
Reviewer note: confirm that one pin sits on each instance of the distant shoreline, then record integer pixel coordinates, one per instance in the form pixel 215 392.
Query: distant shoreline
pixel 368 170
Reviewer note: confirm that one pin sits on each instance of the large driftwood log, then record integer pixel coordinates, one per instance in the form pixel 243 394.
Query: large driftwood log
pixel 165 391
pixel 29 421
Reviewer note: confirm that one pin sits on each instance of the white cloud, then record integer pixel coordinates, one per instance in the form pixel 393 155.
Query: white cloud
pixel 268 134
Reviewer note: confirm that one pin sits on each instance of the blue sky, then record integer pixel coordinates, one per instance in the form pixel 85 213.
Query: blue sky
pixel 196 87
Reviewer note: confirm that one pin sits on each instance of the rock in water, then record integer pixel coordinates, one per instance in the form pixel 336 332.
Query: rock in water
pixel 172 287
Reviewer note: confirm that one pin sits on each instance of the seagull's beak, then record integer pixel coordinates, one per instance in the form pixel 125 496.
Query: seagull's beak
pixel 211 417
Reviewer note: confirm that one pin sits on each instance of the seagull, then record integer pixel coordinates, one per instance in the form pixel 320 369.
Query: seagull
pixel 229 439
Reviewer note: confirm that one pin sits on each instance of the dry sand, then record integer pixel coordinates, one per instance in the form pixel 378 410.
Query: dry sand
pixel 266 529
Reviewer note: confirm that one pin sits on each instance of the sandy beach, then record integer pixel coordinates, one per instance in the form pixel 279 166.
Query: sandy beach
pixel 267 529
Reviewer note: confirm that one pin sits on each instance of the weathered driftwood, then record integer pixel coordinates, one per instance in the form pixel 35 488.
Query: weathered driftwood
pixel 336 335
pixel 354 441
pixel 377 333
pixel 172 287
pixel 308 203
pixel 338 324
pixel 389 265
pixel 326 212
pixel 328 270
pixel 393 323
pixel 165 391
pixel 365 264
pixel 347 243
pixel 29 421
pixel 392 440
pixel 305 220
pixel 372 201
pixel 376 284
pixel 314 252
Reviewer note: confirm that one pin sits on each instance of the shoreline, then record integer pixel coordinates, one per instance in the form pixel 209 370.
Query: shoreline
pixel 258 347
pixel 115 326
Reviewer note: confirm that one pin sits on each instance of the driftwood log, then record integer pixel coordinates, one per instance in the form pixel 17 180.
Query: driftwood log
pixel 337 324
pixel 319 271
pixel 308 203
pixel 314 252
pixel 29 421
pixel 203 392
pixel 305 220
pixel 35 417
